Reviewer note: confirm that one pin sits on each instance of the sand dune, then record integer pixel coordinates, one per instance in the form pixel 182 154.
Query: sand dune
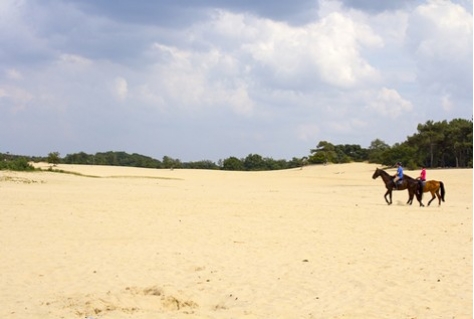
pixel 319 242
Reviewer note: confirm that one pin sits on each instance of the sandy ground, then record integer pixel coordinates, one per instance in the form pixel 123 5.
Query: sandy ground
pixel 319 242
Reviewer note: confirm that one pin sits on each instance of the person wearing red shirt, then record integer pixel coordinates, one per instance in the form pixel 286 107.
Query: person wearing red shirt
pixel 422 179
pixel 422 176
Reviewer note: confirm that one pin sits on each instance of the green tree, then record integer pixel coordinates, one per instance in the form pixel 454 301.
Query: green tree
pixel 204 164
pixel 254 162
pixel 341 156
pixel 54 158
pixel 355 152
pixel 298 162
pixel 272 164
pixel 78 158
pixel 324 151
pixel 431 134
pixel 232 164
pixel 459 135
pixel 376 151
pixel 400 153
pixel 443 143
pixel 169 162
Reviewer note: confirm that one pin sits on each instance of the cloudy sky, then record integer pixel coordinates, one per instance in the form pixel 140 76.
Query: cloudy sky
pixel 206 80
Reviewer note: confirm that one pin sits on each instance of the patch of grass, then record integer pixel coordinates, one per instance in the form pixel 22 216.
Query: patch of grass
pixel 147 177
pixel 54 170
pixel 51 169
pixel 15 179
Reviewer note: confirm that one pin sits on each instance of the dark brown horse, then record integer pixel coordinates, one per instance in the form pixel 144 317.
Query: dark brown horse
pixel 434 187
pixel 407 182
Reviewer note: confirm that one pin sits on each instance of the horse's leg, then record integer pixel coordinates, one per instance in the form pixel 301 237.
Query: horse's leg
pixel 420 198
pixel 432 197
pixel 389 192
pixel 410 197
pixel 439 197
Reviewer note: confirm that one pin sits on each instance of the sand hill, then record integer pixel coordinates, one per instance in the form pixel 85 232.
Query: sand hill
pixel 318 242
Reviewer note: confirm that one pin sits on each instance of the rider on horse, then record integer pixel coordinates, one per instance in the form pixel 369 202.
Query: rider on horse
pixel 399 175
pixel 422 178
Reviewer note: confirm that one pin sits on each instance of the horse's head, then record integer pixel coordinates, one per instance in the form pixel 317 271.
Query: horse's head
pixel 376 173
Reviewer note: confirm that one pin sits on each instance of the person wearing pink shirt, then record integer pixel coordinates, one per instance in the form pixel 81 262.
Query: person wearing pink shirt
pixel 422 176
pixel 422 179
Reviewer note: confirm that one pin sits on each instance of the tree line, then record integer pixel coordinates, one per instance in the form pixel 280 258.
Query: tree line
pixel 435 144
pixel 252 162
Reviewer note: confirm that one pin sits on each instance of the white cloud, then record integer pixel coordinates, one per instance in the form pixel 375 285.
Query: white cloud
pixel 327 50
pixel 121 88
pixel 193 81
pixel 308 132
pixel 235 97
pixel 389 103
pixel 447 103
pixel 437 29
pixel 14 74
pixel 18 98
pixel 11 14
pixel 235 26
pixel 391 26
pixel 338 39
pixel 74 60
pixel 440 36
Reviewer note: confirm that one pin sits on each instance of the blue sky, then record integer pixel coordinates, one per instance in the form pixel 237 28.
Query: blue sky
pixel 206 80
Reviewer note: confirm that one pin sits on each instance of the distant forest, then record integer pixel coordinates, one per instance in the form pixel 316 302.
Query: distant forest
pixel 436 144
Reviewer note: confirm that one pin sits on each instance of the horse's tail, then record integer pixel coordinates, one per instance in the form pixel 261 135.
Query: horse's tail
pixel 443 191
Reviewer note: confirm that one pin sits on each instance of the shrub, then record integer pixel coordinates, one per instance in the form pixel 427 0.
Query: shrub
pixel 17 164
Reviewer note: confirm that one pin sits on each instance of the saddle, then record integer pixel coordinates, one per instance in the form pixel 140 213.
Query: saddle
pixel 397 183
pixel 421 183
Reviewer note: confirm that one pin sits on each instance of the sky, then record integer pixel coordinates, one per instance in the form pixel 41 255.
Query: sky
pixel 207 80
